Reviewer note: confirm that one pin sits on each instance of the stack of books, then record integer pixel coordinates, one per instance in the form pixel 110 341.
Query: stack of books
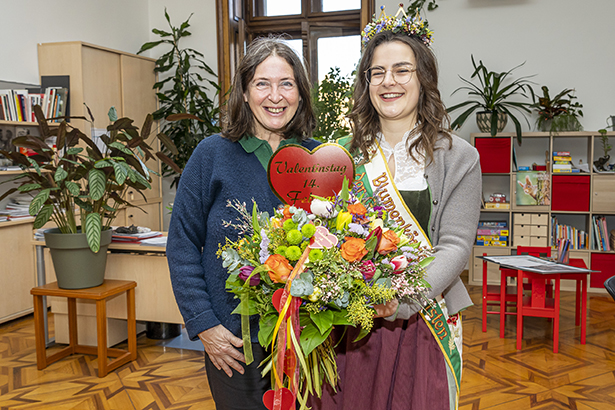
pixel 18 105
pixel 577 238
pixel 492 233
pixel 134 238
pixel 562 162
pixel 601 238
pixel 17 208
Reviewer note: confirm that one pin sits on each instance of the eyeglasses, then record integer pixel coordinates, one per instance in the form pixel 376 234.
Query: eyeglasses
pixel 401 75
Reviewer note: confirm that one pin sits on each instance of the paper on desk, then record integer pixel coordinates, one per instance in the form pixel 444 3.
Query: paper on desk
pixel 533 264
pixel 158 241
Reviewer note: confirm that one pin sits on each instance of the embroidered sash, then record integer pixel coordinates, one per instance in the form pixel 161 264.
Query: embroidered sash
pixel 374 179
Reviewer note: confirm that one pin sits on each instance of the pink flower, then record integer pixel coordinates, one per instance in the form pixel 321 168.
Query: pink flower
pixel 368 269
pixel 245 272
pixel 399 263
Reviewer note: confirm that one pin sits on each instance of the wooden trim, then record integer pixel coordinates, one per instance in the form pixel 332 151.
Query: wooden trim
pixel 367 11
pixel 81 43
pixel 224 49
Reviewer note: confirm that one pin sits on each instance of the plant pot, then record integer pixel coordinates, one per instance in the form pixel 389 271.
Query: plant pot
pixel 483 120
pixel 76 266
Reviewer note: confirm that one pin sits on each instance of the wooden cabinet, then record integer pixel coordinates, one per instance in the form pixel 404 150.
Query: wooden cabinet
pixel 102 78
pixel 575 198
pixel 18 273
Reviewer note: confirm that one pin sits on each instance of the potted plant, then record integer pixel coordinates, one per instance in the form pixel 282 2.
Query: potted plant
pixel 559 113
pixel 332 103
pixel 493 96
pixel 601 164
pixel 80 187
pixel 189 112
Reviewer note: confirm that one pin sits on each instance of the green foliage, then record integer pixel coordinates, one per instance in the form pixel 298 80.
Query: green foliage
pixel 559 113
pixel 332 103
pixel 419 5
pixel 90 182
pixel 606 147
pixel 493 94
pixel 190 114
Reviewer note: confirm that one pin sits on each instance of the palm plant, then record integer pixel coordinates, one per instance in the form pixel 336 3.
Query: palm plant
pixel 492 95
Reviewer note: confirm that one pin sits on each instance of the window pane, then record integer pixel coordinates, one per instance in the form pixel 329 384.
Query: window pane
pixel 282 7
pixel 342 52
pixel 338 5
pixel 297 46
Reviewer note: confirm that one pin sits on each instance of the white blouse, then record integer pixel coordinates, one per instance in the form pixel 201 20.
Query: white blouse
pixel 409 173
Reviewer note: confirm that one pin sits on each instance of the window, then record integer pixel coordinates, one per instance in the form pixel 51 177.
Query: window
pixel 328 30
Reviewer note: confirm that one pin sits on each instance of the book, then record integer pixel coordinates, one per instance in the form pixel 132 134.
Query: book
pixel 561 158
pixel 533 188
pixel 496 231
pixel 492 224
pixel 561 153
pixel 497 205
pixel 562 170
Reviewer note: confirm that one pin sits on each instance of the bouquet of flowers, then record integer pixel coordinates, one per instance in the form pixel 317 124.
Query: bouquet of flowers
pixel 305 272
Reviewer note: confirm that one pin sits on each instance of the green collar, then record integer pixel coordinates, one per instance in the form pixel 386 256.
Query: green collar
pixel 262 149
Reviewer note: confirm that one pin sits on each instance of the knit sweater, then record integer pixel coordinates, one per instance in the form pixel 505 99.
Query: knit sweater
pixel 218 171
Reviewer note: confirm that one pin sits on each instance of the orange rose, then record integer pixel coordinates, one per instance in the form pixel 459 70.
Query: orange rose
pixel 279 268
pixel 286 212
pixel 388 243
pixel 353 249
pixel 357 209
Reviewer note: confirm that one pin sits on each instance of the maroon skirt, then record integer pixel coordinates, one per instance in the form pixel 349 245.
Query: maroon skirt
pixel 398 366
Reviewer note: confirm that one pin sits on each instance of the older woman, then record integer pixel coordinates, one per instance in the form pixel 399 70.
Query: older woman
pixel 430 178
pixel 269 106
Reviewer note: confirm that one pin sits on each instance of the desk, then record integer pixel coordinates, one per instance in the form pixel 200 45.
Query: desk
pixel 576 270
pixel 100 294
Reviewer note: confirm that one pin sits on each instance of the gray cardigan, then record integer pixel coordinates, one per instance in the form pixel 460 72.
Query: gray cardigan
pixel 455 181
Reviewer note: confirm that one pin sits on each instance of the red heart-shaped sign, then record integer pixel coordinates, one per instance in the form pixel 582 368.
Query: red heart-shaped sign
pixel 284 399
pixel 295 173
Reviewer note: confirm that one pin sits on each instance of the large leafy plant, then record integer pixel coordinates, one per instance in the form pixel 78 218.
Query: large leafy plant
pixel 82 180
pixel 559 113
pixel 493 94
pixel 332 102
pixel 190 113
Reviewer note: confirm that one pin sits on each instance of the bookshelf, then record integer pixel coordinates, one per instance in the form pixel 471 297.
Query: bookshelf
pixel 574 199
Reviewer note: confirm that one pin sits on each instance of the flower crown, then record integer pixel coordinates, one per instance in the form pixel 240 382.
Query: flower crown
pixel 412 26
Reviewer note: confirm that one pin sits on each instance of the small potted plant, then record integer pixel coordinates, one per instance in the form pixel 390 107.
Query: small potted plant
pixel 493 96
pixel 601 164
pixel 559 113
pixel 80 186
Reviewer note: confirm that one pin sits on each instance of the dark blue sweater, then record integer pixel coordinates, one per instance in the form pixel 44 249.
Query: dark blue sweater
pixel 218 170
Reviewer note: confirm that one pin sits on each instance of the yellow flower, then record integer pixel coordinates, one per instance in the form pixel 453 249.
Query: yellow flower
pixel 315 295
pixel 343 219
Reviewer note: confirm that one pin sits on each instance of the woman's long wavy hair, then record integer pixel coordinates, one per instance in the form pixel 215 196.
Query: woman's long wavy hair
pixel 239 119
pixel 432 116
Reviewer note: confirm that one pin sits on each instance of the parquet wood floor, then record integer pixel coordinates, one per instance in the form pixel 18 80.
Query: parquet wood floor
pixel 496 376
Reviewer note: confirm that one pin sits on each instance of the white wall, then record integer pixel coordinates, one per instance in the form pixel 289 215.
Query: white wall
pixel 117 24
pixel 566 43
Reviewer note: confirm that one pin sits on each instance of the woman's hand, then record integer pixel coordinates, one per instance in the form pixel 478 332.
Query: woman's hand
pixel 220 346
pixel 386 309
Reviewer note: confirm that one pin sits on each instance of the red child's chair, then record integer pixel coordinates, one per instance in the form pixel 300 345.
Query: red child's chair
pixel 532 300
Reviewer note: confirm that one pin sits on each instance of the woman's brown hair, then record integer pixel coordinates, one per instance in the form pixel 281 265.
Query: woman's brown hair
pixel 239 119
pixel 432 117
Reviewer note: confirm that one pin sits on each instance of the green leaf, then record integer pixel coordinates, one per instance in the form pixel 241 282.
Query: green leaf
pixel 311 338
pixel 361 335
pixel 74 151
pixel 29 187
pixel 103 164
pixel 43 216
pixel 93 227
pixel 323 320
pixel 120 172
pixel 340 317
pixel 266 326
pixel 121 147
pixel 38 202
pixel 96 183
pixel 73 188
pixel 60 174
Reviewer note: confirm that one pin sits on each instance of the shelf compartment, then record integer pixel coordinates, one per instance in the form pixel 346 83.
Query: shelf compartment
pixel 570 193
pixel 494 153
